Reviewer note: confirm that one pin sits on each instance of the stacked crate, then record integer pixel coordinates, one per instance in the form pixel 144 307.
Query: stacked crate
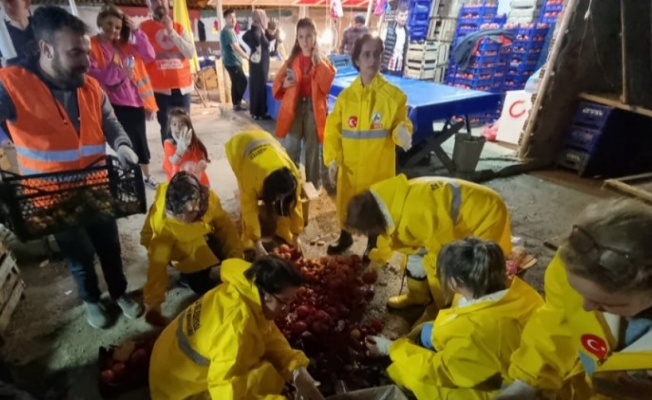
pixel 424 59
pixel 551 11
pixel 484 71
pixel 524 53
pixel 418 18
pixel 522 11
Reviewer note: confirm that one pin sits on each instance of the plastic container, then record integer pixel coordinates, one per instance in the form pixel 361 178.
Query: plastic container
pixel 592 114
pixel 467 151
pixel 35 206
pixel 583 138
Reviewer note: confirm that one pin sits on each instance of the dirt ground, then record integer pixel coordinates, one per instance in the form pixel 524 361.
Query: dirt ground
pixel 52 352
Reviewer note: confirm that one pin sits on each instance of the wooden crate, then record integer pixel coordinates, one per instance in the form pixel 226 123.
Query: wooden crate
pixel 11 287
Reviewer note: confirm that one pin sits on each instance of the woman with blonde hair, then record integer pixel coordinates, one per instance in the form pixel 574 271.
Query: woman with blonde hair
pixel 593 338
pixel 302 85
pixel 118 56
pixel 258 64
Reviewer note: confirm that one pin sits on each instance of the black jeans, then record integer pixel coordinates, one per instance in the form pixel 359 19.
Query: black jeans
pixel 164 103
pixel 238 83
pixel 79 246
pixel 201 282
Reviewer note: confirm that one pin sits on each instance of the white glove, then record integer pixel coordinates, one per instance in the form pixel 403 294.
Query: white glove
pixel 378 345
pixel 260 249
pixel 306 385
pixel 332 173
pixel 518 390
pixel 415 267
pixel 404 137
pixel 126 156
pixel 183 140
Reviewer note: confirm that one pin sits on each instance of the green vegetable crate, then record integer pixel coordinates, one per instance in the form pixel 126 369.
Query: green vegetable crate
pixel 34 206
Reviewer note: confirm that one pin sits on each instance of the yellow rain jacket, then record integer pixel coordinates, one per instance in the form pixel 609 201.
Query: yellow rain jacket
pixel 576 353
pixel 169 240
pixel 472 347
pixel 253 157
pixel 361 136
pixel 223 345
pixel 424 214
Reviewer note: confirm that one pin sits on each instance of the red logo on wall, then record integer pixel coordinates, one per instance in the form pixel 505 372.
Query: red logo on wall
pixel 353 122
pixel 512 109
pixel 595 345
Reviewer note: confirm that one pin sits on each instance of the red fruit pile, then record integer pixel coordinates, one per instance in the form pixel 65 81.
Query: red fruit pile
pixel 123 370
pixel 325 318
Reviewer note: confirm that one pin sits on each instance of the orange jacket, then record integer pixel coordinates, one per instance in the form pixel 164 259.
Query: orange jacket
pixel 322 76
pixel 45 138
pixel 193 154
pixel 170 70
pixel 141 77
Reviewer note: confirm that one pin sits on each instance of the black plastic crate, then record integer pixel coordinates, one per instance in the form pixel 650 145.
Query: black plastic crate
pixel 583 138
pixel 35 206
pixel 592 114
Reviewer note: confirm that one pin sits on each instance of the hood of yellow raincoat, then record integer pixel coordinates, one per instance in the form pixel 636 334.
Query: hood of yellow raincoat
pixel 391 193
pixel 518 302
pixel 232 273
pixel 166 225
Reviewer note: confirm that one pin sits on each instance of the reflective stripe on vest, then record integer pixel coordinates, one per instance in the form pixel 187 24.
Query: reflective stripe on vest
pixel 365 134
pixel 456 201
pixel 255 143
pixel 186 348
pixel 61 155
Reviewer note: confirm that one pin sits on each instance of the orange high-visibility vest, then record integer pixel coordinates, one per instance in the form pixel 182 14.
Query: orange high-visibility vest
pixel 170 70
pixel 141 77
pixel 44 137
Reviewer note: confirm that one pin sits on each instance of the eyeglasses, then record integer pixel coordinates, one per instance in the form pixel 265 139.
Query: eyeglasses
pixel 607 257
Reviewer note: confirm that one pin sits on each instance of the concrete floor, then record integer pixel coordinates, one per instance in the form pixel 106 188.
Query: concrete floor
pixel 53 352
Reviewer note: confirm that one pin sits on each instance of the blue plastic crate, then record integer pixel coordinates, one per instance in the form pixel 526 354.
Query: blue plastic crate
pixel 583 138
pixel 488 44
pixel 479 11
pixel 592 114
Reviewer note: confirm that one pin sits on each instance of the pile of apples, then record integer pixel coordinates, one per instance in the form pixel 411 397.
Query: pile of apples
pixel 124 367
pixel 325 320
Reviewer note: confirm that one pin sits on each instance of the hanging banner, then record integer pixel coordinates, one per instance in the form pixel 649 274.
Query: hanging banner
pixel 181 17
pixel 381 5
pixel 336 9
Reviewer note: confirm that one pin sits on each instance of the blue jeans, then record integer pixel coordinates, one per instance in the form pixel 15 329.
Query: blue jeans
pixel 79 246
pixel 164 103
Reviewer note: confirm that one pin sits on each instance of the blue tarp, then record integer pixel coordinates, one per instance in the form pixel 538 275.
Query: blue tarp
pixel 427 101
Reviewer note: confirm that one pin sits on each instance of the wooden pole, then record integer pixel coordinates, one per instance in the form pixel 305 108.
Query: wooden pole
pixel 370 7
pixel 569 11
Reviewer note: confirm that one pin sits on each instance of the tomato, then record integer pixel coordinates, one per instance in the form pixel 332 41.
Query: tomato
pixel 107 376
pixel 322 315
pixel 370 277
pixel 299 327
pixel 303 310
pixel 377 325
pixel 355 334
pixel 318 327
pixel 284 248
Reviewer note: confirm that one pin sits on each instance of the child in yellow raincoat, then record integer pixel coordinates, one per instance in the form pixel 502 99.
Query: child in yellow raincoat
pixel 265 172
pixel 593 337
pixel 464 354
pixel 369 120
pixel 419 216
pixel 226 345
pixel 186 227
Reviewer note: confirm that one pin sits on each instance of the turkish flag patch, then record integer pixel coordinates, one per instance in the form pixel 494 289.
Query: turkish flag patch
pixel 353 122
